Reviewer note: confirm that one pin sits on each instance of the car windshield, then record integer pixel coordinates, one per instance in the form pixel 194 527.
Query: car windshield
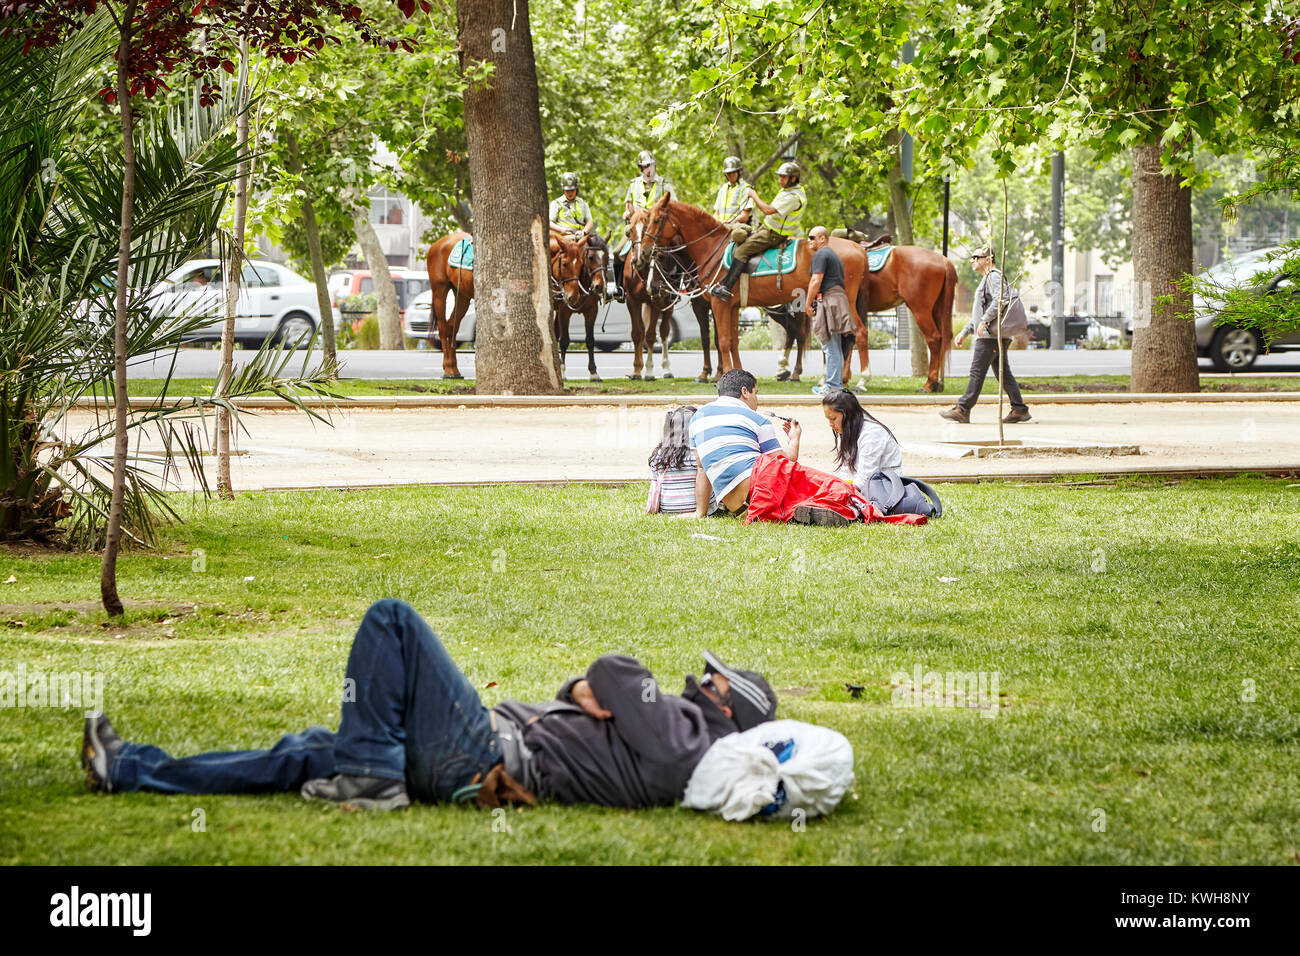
pixel 1238 268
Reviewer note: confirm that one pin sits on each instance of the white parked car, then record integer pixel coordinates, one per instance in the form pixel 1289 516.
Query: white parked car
pixel 613 323
pixel 273 302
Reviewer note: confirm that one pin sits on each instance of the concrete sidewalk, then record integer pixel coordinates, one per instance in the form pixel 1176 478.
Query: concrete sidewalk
pixel 285 449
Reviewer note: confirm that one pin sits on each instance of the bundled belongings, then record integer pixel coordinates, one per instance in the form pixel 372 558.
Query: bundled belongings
pixel 772 772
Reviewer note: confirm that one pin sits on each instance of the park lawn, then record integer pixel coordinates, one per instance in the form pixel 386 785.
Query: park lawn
pixel 1144 634
pixel 684 385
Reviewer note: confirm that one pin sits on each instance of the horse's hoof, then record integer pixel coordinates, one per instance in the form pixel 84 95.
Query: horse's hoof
pixel 701 379
pixel 452 375
pixel 649 378
pixel 668 375
pixel 782 376
pixel 634 378
pixel 595 378
pixel 791 378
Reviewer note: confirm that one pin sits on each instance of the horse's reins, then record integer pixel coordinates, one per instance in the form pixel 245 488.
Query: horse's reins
pixel 557 284
pixel 654 248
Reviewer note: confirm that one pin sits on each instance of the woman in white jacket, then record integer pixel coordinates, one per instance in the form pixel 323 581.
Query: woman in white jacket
pixel 864 446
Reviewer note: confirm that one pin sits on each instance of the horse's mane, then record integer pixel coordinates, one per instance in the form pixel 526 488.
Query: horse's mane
pixel 687 210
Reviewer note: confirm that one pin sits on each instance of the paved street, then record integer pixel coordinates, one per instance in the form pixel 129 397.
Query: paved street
pixel 202 363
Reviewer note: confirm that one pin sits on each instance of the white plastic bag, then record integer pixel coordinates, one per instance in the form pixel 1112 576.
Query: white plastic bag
pixel 772 770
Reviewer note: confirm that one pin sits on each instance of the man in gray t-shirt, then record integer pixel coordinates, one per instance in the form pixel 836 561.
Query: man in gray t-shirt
pixel 829 306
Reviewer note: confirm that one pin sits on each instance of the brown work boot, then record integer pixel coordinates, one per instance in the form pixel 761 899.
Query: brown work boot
pixel 1014 416
pixel 956 414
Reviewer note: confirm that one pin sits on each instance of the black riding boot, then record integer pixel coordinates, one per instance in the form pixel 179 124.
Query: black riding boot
pixel 618 295
pixel 723 289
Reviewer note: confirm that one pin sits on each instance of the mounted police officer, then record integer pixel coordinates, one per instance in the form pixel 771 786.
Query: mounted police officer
pixel 569 212
pixel 642 193
pixel 733 204
pixel 780 221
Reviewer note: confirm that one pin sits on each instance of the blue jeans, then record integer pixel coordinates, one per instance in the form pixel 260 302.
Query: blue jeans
pixel 408 714
pixel 834 361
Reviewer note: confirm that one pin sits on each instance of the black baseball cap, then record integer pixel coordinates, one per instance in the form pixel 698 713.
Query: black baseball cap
pixel 753 701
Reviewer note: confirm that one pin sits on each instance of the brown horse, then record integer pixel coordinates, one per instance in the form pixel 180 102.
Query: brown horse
pixel 444 279
pixel 926 282
pixel 577 286
pixel 674 225
pixel 652 293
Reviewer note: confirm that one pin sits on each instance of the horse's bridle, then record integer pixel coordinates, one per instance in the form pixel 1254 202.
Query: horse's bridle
pixel 558 284
pixel 654 252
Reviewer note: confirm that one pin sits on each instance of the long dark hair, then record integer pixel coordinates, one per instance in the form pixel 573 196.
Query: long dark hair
pixel 676 444
pixel 852 416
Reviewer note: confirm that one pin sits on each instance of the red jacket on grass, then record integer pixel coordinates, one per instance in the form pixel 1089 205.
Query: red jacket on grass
pixel 778 485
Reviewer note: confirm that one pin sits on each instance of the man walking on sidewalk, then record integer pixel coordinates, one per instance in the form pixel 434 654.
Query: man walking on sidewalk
pixel 992 293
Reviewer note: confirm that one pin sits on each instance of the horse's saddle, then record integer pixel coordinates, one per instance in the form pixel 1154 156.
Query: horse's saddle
pixel 462 255
pixel 854 235
pixel 778 261
pixel 625 248
pixel 876 258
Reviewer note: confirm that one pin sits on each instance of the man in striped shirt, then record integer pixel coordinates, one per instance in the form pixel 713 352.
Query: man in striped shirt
pixel 728 435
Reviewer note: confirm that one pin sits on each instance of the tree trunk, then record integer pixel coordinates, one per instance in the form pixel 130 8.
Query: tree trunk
pixel 389 313
pixel 516 349
pixel 113 535
pixel 1164 345
pixel 225 489
pixel 311 229
pixel 901 211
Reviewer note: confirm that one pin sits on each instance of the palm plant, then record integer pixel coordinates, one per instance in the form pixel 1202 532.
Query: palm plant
pixel 60 207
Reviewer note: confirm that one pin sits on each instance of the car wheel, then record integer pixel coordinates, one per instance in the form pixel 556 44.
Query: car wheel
pixel 296 330
pixel 608 346
pixel 1234 350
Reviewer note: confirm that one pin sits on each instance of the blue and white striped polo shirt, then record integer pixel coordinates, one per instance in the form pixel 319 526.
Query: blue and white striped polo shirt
pixel 728 436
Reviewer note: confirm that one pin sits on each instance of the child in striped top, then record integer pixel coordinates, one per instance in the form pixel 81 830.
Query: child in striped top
pixel 673 466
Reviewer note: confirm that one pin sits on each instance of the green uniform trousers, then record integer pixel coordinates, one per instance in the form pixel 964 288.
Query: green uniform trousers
pixel 759 241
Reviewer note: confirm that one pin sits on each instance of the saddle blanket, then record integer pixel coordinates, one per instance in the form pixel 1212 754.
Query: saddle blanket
pixel 462 255
pixel 767 264
pixel 876 258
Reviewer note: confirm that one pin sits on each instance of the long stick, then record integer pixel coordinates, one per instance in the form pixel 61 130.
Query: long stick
pixel 1002 288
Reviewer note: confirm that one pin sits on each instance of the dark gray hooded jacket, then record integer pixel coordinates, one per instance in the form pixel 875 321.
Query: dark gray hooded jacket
pixel 641 756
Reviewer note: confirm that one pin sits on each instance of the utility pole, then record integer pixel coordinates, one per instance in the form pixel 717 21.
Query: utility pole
pixel 947 190
pixel 1058 250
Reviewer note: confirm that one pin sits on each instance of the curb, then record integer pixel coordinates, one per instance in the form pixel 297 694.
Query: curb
pixel 1278 471
pixel 563 401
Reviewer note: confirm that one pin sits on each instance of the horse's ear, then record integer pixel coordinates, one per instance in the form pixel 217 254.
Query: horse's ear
pixel 582 243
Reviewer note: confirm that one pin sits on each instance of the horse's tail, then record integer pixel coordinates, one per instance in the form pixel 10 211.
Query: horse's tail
pixel 944 306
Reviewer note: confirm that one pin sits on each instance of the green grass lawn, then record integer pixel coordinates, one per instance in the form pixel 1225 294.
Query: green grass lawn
pixel 683 385
pixel 1144 635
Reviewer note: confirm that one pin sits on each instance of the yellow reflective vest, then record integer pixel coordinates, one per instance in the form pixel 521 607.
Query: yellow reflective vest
pixel 643 197
pixel 790 204
pixel 571 215
pixel 732 200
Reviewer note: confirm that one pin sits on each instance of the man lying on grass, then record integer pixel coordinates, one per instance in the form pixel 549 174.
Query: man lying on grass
pixel 412 723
